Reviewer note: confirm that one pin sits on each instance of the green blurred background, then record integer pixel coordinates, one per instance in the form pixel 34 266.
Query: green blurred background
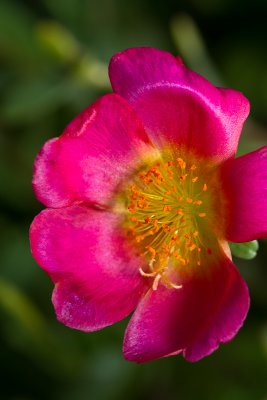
pixel 54 56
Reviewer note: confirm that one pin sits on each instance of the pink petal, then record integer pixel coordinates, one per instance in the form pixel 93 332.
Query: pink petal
pixel 97 149
pixel 245 181
pixel 178 105
pixel 96 275
pixel 208 310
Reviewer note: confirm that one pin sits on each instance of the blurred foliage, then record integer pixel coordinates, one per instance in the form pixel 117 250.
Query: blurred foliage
pixel 54 57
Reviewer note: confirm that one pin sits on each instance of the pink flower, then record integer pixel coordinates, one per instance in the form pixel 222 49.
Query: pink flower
pixel 143 194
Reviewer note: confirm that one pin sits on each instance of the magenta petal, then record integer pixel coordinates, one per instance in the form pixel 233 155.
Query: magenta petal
pixel 177 105
pixel 195 319
pixel 245 180
pixel 97 149
pixel 96 275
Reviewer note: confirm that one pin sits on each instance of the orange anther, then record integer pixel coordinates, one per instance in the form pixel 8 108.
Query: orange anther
pixel 165 228
pixel 195 234
pixel 147 220
pixel 198 202
pixel 202 215
pixel 205 187
pixel 193 247
pixel 139 238
pixel 131 208
pixel 151 250
pixel 142 204
pixel 189 200
pixel 195 179
pixel 193 167
pixel 166 208
pixel 181 163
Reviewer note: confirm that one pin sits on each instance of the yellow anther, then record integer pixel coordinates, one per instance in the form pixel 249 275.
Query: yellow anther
pixel 195 179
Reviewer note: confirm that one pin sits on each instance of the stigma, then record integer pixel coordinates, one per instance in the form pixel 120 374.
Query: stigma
pixel 168 204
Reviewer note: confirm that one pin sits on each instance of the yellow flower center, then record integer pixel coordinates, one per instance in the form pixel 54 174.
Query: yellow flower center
pixel 170 209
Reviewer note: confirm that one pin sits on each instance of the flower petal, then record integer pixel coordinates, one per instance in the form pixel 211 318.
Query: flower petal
pixel 245 180
pixel 96 275
pixel 97 149
pixel 206 311
pixel 178 105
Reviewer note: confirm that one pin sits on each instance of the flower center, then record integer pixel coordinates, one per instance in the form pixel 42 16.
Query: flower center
pixel 169 210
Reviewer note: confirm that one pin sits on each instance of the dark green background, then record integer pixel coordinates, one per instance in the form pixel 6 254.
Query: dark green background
pixel 54 56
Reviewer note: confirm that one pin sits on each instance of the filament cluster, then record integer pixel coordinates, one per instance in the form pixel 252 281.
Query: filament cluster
pixel 167 203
